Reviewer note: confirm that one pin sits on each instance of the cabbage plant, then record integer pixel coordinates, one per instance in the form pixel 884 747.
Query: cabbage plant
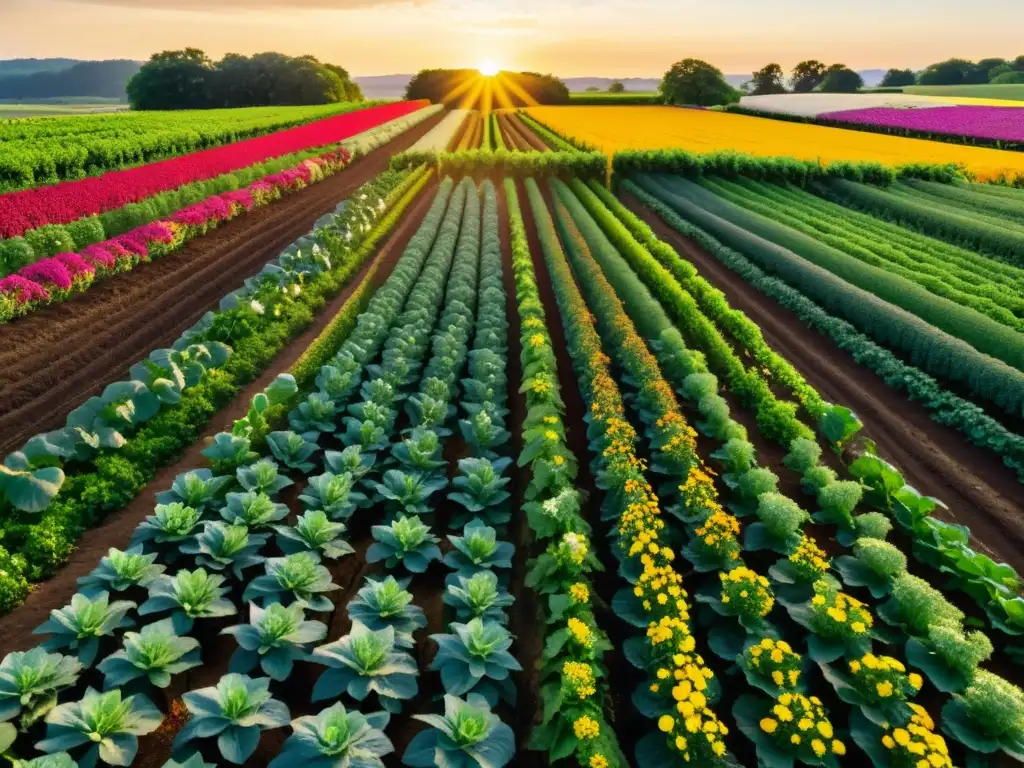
pixel 80 625
pixel 387 603
pixel 351 460
pixel 236 711
pixel 56 760
pixel 30 682
pixel 195 760
pixel 107 722
pixel 478 549
pixel 483 435
pixel 476 658
pixel 336 738
pixel 156 652
pixel 262 476
pixel 199 489
pixel 228 453
pixel 221 546
pixel 366 661
pixel 28 485
pixel 189 595
pixel 408 491
pixel 296 578
pixel 317 414
pixel 120 571
pixel 274 638
pixel 478 597
pixel 335 494
pixel 380 415
pixel 168 526
pixel 293 450
pixel 315 532
pixel 420 452
pixel 469 735
pixel 366 435
pixel 252 509
pixel 479 484
pixel 426 412
pixel 407 541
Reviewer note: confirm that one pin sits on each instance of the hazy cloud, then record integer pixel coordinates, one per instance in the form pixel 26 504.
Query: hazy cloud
pixel 218 6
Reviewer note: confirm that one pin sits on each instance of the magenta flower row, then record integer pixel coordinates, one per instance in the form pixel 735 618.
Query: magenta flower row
pixel 72 200
pixel 995 123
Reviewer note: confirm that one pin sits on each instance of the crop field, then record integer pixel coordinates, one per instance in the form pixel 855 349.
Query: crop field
pixel 422 435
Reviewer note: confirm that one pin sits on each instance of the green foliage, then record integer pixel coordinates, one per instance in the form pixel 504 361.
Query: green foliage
pixel 872 525
pixel 898 77
pixel 995 705
pixel 881 557
pixel 507 163
pixel 15 253
pixel 959 650
pixel 49 241
pixel 841 79
pixel 448 86
pixel 921 605
pixel 695 82
pixel 767 80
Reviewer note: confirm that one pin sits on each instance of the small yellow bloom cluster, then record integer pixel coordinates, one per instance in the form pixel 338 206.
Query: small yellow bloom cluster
pixel 660 587
pixel 717 535
pixel 699 496
pixel 597 761
pixel 537 340
pixel 580 632
pixel 774 660
pixel 586 728
pixel 917 745
pixel 541 386
pixel 579 592
pixel 746 594
pixel 572 550
pixel 578 680
pixel 800 725
pixel 882 677
pixel 810 560
pixel 836 615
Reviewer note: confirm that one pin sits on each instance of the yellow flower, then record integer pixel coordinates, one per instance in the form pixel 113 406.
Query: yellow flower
pixel 805 724
pixel 884 689
pixel 718 748
pixel 818 746
pixel 825 728
pixel 598 761
pixel 915 681
pixel 838 747
pixel 901 736
pixel 888 742
pixel 768 725
pixel 586 728
pixel 795 739
pixel 666 723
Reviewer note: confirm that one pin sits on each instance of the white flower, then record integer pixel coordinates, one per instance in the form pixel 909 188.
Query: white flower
pixel 256 307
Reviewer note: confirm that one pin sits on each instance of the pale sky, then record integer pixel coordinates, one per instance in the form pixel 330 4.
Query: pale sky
pixel 626 38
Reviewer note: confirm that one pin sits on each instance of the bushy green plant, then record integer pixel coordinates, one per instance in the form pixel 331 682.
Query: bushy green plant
pixel 366 661
pixel 420 452
pixel 737 455
pixel 274 638
pixel 108 723
pixel 479 484
pixel 475 657
pixel 804 454
pixel 407 541
pixel 199 489
pixel 80 625
pixel 387 603
pixel 959 650
pixel 298 578
pixel 168 526
pixel 120 571
pixel 261 477
pixel 881 557
pixel 336 738
pixel 872 525
pixel 189 595
pixel 467 736
pixel 30 682
pixel 838 500
pixel 478 597
pixel 293 450
pixel 156 652
pixel 921 605
pixel 314 532
pixel 236 711
pixel 252 510
pixel 409 493
pixel 335 494
pixel 757 481
pixel 994 706
pixel 221 546
pixel 478 549
pixel 819 477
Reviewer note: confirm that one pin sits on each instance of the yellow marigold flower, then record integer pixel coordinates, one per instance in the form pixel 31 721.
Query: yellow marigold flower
pixel 855 666
pixel 778 678
pixel 782 712
pixel 915 681
pixel 795 739
pixel 805 724
pixel 579 592
pixel 818 746
pixel 586 728
pixel 662 673
pixel 598 761
pixel 884 689
pixel 666 723
pixel 901 736
pixel 718 748
pixel 768 725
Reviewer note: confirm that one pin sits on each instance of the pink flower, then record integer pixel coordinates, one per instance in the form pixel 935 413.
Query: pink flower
pixel 99 255
pixel 24 290
pixel 75 264
pixel 48 272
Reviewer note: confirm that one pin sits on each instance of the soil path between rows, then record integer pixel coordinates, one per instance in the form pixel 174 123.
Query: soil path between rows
pixel 59 356
pixel 116 531
pixel 978 489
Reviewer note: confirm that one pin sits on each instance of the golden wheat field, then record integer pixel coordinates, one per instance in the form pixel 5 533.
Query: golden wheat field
pixel 611 129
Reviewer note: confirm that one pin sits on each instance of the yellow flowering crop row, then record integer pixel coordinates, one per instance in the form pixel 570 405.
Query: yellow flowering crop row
pixel 611 129
pixel 692 728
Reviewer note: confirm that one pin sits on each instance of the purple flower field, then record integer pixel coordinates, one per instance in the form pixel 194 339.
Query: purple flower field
pixel 996 123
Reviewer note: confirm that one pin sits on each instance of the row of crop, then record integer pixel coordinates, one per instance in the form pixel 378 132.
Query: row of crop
pixel 744 596
pixel 935 351
pixel 556 141
pixel 968 229
pixel 70 201
pixel 441 135
pixel 49 151
pixel 573 676
pixel 256 322
pixel 995 587
pixel 126 225
pixel 967 292
pixel 507 162
pixel 680 690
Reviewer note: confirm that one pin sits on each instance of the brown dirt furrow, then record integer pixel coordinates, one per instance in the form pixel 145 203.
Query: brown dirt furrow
pixel 512 138
pixel 116 531
pixel 980 491
pixel 56 358
pixel 527 134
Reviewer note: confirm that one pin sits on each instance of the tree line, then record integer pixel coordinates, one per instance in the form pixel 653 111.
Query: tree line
pixel 993 71
pixel 189 79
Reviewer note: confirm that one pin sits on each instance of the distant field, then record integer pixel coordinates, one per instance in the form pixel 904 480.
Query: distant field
pixel 1007 92
pixel 619 99
pixel 58 110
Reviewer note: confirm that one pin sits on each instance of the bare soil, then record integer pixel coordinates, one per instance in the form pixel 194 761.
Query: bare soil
pixel 980 491
pixel 527 134
pixel 56 358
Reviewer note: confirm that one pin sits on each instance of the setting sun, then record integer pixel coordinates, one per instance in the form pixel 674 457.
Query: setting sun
pixel 488 68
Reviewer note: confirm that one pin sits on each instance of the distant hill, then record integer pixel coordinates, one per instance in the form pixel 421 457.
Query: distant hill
pixel 97 79
pixel 578 84
pixel 383 86
pixel 16 67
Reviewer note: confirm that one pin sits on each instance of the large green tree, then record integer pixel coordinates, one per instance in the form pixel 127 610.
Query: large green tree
pixel 807 75
pixel 841 79
pixel 767 80
pixel 173 80
pixel 898 77
pixel 948 72
pixel 692 81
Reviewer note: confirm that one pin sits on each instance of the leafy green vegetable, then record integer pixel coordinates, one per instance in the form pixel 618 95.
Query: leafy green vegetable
pixel 336 739
pixel 274 638
pixel 467 736
pixel 120 571
pixel 387 603
pixel 296 578
pixel 30 682
pixel 157 652
pixel 80 625
pixel 189 595
pixel 476 658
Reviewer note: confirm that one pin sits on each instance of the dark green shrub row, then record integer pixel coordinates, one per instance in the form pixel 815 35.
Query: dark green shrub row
pixel 977 141
pixel 778 169
pixel 973 196
pixel 937 352
pixel 949 223
pixel 945 407
pixel 516 164
pixel 963 322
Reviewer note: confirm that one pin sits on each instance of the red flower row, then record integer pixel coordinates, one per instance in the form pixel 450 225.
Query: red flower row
pixel 72 200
